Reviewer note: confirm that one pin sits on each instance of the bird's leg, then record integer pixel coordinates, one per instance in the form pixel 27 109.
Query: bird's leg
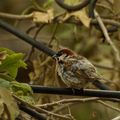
pixel 75 89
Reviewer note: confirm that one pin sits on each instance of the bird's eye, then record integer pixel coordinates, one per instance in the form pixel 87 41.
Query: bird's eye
pixel 60 53
pixel 60 62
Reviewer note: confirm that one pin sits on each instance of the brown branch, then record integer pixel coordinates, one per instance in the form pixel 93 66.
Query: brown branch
pixel 104 6
pixel 63 101
pixel 107 37
pixel 17 17
pixel 105 67
pixel 73 100
pixel 56 19
pixel 41 110
pixel 109 106
pixel 107 21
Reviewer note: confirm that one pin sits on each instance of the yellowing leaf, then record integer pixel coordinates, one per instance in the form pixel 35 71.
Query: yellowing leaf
pixel 40 17
pixel 7 101
pixel 72 2
pixel 80 16
pixel 12 63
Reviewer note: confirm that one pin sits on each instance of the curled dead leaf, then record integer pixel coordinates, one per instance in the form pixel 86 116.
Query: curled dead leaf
pixel 80 15
pixel 42 17
pixel 8 104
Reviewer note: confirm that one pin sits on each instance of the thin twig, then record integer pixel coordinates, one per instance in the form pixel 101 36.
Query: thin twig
pixel 26 38
pixel 104 6
pixel 107 21
pixel 30 29
pixel 41 110
pixel 107 37
pixel 73 100
pixel 53 34
pixel 45 61
pixel 16 17
pixel 35 37
pixel 109 106
pixel 30 16
pixel 105 67
pixel 116 118
pixel 37 6
pixel 62 107
pixel 64 101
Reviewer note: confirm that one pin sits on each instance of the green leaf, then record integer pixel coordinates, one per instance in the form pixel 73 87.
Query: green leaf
pixel 6 77
pixel 23 91
pixel 12 63
pixel 16 86
pixel 8 104
pixel 9 52
pixel 4 83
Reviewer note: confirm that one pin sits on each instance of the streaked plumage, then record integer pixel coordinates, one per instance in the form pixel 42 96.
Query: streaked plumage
pixel 75 71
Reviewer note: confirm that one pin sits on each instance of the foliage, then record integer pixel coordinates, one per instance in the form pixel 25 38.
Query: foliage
pixel 59 28
pixel 8 106
pixel 23 91
pixel 10 62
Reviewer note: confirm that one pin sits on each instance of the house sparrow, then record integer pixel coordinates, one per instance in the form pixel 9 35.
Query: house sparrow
pixel 76 71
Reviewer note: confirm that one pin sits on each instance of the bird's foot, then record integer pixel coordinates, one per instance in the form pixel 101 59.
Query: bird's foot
pixel 74 90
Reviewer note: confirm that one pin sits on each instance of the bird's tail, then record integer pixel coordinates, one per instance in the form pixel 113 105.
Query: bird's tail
pixel 100 85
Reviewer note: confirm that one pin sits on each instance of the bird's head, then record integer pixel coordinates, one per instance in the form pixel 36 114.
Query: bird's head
pixel 63 53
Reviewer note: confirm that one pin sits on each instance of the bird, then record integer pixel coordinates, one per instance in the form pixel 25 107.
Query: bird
pixel 77 71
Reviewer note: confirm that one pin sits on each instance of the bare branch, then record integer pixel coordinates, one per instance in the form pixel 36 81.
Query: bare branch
pixel 41 110
pixel 116 118
pixel 107 37
pixel 13 16
pixel 109 106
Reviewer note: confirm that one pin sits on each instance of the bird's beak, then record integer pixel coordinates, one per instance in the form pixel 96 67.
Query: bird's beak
pixel 55 56
pixel 58 54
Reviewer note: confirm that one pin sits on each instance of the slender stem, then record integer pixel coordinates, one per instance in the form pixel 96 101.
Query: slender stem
pixel 107 37
pixel 26 38
pixel 17 17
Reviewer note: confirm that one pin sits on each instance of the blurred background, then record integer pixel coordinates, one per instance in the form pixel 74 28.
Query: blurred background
pixel 86 41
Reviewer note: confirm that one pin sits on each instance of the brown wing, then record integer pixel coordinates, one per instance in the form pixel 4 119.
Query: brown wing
pixel 82 68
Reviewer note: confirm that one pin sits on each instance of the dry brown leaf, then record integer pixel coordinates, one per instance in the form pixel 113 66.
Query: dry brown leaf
pixel 7 100
pixel 79 15
pixel 41 17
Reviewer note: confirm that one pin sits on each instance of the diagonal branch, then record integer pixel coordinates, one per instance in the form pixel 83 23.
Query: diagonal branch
pixel 107 37
pixel 26 38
